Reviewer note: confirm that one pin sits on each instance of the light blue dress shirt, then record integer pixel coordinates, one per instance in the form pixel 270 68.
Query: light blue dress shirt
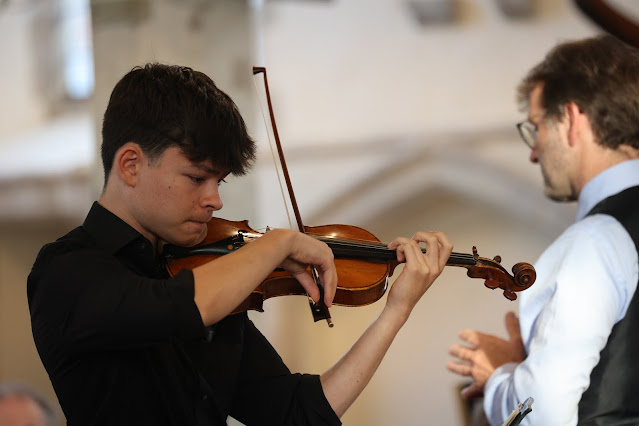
pixel 585 281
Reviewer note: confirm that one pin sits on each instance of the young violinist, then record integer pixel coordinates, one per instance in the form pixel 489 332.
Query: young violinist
pixel 575 349
pixel 124 343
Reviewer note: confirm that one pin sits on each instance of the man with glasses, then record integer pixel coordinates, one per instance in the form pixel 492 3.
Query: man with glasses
pixel 575 347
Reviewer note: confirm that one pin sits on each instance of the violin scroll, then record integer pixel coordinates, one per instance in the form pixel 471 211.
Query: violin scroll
pixel 525 275
pixel 495 276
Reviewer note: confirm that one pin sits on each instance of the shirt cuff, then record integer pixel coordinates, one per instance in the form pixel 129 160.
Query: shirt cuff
pixel 502 370
pixel 493 403
pixel 312 386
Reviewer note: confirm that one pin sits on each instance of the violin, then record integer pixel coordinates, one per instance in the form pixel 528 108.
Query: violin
pixel 363 263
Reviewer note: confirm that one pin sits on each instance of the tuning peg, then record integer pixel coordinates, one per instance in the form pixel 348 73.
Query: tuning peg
pixel 491 284
pixel 497 259
pixel 475 255
pixel 510 295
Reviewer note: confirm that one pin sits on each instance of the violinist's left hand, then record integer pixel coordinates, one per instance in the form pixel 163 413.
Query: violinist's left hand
pixel 343 382
pixel 420 269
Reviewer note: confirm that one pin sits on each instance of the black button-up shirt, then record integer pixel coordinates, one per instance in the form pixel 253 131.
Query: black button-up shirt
pixel 123 343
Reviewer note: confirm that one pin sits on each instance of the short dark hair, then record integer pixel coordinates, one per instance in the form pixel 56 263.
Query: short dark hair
pixel 601 76
pixel 159 106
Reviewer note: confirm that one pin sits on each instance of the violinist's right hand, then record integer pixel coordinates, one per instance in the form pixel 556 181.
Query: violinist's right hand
pixel 306 251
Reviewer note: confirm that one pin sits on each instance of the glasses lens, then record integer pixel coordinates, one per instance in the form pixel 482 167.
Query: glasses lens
pixel 528 132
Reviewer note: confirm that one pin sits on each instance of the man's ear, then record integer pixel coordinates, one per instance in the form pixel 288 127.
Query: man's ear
pixel 128 163
pixel 576 121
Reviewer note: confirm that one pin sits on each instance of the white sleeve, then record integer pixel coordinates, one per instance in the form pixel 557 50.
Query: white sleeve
pixel 592 274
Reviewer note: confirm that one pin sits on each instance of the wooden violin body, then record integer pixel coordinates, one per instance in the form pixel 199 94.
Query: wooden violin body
pixel 360 282
pixel 363 264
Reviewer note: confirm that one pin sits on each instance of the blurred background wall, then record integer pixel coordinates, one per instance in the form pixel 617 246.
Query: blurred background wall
pixel 395 115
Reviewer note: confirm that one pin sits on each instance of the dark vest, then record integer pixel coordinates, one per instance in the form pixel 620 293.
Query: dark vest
pixel 613 395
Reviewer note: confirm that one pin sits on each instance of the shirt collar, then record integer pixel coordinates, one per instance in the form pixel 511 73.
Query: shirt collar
pixel 109 231
pixel 607 183
pixel 118 238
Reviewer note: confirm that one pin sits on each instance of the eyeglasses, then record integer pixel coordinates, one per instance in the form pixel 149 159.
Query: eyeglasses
pixel 528 132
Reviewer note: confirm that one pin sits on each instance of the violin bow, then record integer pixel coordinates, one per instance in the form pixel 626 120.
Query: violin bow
pixel 318 309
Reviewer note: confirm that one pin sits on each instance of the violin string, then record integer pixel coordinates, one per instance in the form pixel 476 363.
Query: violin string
pixel 353 241
pixel 270 144
pixel 372 245
pixel 367 245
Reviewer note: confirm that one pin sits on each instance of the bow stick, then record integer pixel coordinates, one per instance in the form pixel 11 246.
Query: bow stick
pixel 319 309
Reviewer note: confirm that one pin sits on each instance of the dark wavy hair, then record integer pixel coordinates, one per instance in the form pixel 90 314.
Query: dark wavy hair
pixel 601 76
pixel 159 106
